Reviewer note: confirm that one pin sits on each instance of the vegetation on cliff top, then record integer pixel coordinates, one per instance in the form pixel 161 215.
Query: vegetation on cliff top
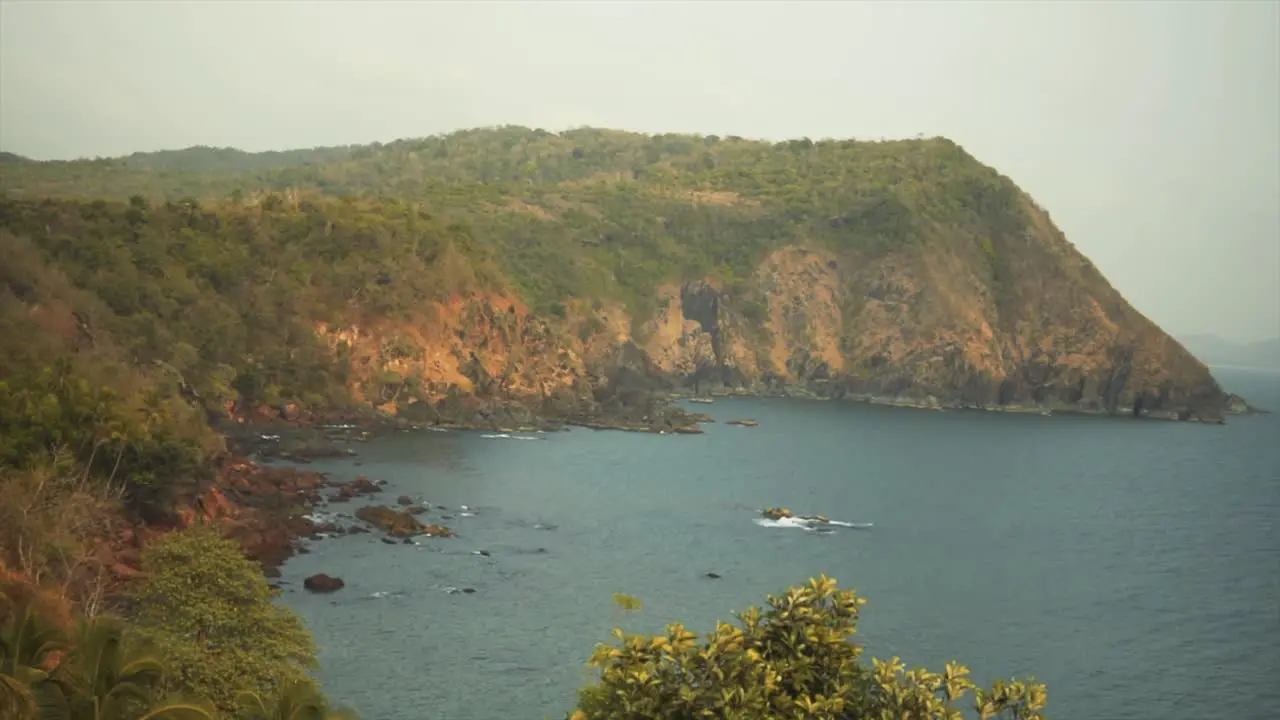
pixel 591 212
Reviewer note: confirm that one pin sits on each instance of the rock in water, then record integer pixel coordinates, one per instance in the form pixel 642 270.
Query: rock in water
pixel 322 583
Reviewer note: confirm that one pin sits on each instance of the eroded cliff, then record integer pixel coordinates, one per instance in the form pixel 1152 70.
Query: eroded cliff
pixel 1036 329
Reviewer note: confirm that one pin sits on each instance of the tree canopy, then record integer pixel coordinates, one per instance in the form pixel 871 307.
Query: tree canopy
pixel 210 612
pixel 796 659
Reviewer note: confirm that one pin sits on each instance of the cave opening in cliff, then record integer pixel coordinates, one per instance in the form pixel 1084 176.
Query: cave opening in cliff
pixel 1137 406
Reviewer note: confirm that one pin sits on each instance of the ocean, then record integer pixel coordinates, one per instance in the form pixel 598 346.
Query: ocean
pixel 1132 565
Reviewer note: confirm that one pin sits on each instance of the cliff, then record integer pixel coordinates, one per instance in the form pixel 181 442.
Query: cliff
pixel 511 277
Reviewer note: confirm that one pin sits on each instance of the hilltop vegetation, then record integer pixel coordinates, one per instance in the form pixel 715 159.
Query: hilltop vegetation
pixel 598 213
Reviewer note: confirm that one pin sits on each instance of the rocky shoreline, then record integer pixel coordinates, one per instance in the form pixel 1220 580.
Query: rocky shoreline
pixel 269 511
pixel 300 440
pixel 1234 404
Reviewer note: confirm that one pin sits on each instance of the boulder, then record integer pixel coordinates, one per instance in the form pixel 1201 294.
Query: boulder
pixel 399 523
pixel 322 583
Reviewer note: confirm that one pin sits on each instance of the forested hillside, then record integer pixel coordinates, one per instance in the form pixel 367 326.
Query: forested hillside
pixel 901 271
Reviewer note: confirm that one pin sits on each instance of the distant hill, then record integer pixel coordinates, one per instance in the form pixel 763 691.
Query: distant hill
pixel 513 265
pixel 1213 350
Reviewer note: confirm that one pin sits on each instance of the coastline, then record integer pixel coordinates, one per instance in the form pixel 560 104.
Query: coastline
pixel 266 499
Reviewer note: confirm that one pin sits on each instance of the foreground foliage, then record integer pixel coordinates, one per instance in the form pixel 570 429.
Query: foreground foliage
pixel 793 660
pixel 205 643
pixel 210 611
pixel 98 671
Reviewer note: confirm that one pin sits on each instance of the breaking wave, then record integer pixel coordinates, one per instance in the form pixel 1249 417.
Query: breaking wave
pixel 509 436
pixel 810 524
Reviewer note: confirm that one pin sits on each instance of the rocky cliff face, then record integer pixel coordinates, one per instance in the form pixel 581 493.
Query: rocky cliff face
pixel 1019 322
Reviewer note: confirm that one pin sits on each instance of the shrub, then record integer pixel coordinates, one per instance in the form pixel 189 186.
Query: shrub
pixel 794 660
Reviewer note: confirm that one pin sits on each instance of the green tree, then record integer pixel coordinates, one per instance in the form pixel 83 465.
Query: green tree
pixel 794 660
pixel 209 611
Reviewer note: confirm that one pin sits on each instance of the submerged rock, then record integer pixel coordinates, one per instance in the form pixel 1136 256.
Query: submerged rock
pixel 400 523
pixel 393 522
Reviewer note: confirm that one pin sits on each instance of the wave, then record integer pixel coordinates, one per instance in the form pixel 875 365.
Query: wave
pixel 809 525
pixel 508 436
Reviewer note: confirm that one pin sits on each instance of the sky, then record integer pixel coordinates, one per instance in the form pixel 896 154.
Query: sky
pixel 1149 130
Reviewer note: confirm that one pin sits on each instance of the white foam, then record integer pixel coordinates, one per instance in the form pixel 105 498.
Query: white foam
pixel 508 436
pixel 807 524
pixel 786 522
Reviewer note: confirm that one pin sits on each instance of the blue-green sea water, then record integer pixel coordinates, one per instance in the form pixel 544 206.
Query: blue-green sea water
pixel 1134 566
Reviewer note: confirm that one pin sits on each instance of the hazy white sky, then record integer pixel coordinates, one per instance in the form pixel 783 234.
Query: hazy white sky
pixel 1150 130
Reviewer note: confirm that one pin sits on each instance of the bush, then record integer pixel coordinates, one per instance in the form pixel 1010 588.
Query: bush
pixel 794 660
pixel 209 610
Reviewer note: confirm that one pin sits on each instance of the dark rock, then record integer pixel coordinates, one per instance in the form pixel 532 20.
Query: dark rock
pixel 389 541
pixel 322 583
pixel 404 500
pixel 713 576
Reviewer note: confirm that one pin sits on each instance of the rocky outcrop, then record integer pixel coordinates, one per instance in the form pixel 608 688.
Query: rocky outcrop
pixel 261 508
pixel 322 583
pixel 930 329
pixel 400 523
